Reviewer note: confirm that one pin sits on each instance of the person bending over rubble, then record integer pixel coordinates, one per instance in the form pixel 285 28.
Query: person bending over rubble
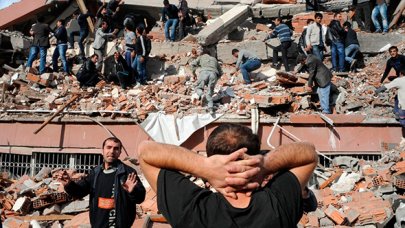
pixel 321 75
pixel 100 40
pixel 88 74
pixel 246 63
pixel 398 83
pixel 40 31
pixel 60 50
pixel 234 167
pixel 208 76
pixel 114 189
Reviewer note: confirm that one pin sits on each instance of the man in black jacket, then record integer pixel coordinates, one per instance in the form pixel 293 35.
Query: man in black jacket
pixel 319 73
pixel 336 33
pixel 40 31
pixel 352 45
pixel 88 74
pixel 120 71
pixel 83 33
pixel 60 50
pixel 114 189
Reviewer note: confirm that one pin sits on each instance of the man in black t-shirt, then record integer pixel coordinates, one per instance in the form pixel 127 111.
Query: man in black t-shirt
pixel 114 189
pixel 237 176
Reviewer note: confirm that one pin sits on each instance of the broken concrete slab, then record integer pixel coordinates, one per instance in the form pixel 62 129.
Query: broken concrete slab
pixel 375 42
pixel 171 48
pixel 75 206
pixel 223 25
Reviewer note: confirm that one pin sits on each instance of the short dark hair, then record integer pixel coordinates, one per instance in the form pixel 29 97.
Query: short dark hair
pixel 234 51
pixel 114 139
pixel 140 29
pixel 229 137
pixel 61 21
pixel 309 21
pixel 301 57
pixel 279 19
pixel 347 24
pixel 393 47
pixel 41 19
pixel 106 22
pixel 92 56
pixel 318 15
pixel 165 2
pixel 335 14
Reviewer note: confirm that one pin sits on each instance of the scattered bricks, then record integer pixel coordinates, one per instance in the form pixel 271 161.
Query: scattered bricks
pixel 402 155
pixel 289 76
pixel 336 216
pixel 352 215
pixel 294 107
pixel 260 99
pixel 399 166
pixel 298 90
pixel 369 171
pixel 329 200
pixel 101 84
pixel 313 220
pixel 150 108
pixel 304 220
pixel 377 180
pixel 327 182
pixel 122 98
pixel 281 99
pixel 260 85
pixel 22 205
pixel 33 78
pixel 262 27
pixel 49 199
pixel 15 223
pixel 399 181
pixel 174 79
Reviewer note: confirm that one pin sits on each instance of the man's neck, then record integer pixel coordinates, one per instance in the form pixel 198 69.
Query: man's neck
pixel 108 165
pixel 243 200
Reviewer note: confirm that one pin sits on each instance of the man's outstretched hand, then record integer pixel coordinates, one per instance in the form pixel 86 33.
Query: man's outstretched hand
pixel 130 183
pixel 234 172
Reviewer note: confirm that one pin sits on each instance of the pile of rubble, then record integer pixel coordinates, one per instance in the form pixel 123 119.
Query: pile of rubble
pixel 358 192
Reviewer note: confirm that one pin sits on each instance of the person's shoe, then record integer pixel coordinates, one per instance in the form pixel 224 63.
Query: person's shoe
pixel 353 65
pixel 276 66
pixel 211 111
pixel 396 115
pixel 383 33
pixel 378 31
pixel 70 46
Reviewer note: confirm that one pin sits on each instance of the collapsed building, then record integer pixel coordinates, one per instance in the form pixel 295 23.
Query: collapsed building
pixel 48 122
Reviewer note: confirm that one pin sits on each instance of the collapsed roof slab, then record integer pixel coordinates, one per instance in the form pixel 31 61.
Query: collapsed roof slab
pixel 377 42
pixel 223 25
pixel 23 10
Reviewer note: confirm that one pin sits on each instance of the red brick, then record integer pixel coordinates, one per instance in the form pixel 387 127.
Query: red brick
pixel 297 90
pixel 335 215
pixel 174 79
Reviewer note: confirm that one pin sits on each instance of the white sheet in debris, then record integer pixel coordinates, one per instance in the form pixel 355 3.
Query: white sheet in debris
pixel 174 130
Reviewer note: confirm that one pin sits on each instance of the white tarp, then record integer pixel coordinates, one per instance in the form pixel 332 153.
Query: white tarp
pixel 173 130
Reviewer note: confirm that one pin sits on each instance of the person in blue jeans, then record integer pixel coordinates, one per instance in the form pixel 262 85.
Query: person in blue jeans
pixel 336 35
pixel 139 64
pixel 319 78
pixel 40 31
pixel 352 45
pixel 83 33
pixel 246 63
pixel 380 8
pixel 60 50
pixel 170 18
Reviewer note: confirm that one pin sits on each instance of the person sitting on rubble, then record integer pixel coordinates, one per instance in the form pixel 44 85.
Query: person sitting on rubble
pixel 397 62
pixel 88 74
pixel 120 71
pixel 114 189
pixel 398 83
pixel 61 46
pixel 208 76
pixel 100 40
pixel 170 23
pixel 246 62
pixel 40 31
pixel 236 169
pixel 322 76
pixel 83 33
pixel 315 37
pixel 284 33
pixel 302 45
pixel 352 46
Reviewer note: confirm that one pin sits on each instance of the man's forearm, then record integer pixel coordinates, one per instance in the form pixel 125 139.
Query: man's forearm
pixel 167 156
pixel 289 156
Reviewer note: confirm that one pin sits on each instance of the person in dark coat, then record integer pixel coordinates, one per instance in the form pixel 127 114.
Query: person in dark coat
pixel 120 71
pixel 60 50
pixel 40 31
pixel 88 74
pixel 114 189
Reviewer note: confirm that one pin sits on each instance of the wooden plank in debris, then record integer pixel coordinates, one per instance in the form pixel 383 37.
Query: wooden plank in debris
pixel 337 174
pixel 83 9
pixel 45 217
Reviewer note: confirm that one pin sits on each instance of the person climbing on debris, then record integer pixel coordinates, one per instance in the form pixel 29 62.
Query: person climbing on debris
pixel 246 62
pixel 61 47
pixel 398 83
pixel 88 74
pixel 235 168
pixel 397 62
pixel 208 76
pixel 82 33
pixel 40 31
pixel 114 189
